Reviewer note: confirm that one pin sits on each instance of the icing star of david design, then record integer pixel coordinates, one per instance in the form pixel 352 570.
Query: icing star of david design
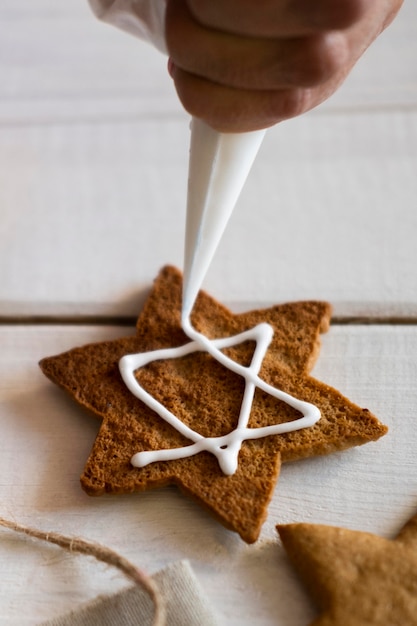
pixel 226 448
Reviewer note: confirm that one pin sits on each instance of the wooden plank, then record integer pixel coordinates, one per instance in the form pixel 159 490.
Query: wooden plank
pixel 45 441
pixel 90 212
pixel 93 168
pixel 61 63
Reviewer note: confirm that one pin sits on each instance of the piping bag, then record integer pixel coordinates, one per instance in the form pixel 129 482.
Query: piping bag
pixel 218 167
pixel 219 162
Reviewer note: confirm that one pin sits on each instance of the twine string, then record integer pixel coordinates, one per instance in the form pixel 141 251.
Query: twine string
pixel 103 554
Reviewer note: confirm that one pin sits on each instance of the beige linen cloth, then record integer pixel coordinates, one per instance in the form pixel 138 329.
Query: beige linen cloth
pixel 186 605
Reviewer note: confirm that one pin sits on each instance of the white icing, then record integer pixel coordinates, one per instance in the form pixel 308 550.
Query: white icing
pixel 226 448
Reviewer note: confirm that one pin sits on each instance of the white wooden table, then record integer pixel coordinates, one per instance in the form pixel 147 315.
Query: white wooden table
pixel 93 167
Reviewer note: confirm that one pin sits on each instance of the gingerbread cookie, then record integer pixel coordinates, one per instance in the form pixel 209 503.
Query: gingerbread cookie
pixel 206 398
pixel 356 578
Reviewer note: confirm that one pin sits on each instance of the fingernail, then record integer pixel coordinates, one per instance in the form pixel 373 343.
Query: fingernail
pixel 171 67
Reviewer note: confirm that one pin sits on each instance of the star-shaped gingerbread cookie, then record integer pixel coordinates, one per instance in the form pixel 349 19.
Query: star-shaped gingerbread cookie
pixel 356 578
pixel 207 397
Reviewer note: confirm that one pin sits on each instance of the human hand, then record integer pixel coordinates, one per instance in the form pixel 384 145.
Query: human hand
pixel 243 65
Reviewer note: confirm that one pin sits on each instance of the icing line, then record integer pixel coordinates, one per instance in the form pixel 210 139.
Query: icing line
pixel 226 448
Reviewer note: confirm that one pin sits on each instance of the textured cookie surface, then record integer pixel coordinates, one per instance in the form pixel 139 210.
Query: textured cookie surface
pixel 356 578
pixel 207 397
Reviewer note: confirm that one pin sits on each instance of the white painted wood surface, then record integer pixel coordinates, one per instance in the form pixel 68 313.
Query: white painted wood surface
pixel 46 440
pixel 93 166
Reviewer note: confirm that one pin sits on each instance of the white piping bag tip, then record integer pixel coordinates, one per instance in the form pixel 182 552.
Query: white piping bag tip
pixel 218 168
